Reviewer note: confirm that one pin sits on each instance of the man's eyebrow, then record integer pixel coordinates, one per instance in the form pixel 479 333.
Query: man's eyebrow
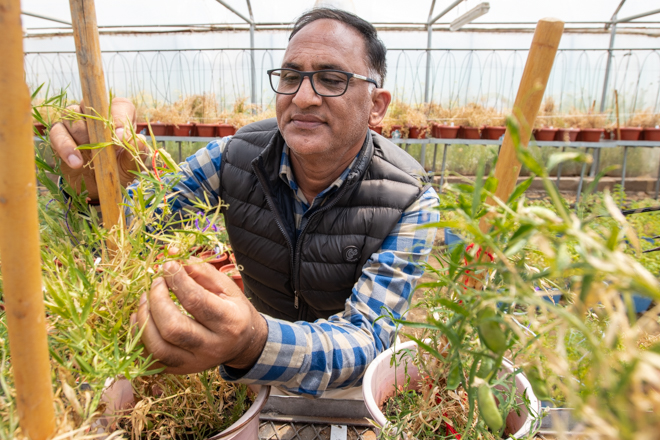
pixel 327 66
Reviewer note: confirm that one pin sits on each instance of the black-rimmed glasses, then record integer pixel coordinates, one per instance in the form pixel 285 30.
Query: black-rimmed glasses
pixel 328 83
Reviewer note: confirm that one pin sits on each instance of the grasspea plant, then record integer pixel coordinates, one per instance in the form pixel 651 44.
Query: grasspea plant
pixel 590 352
pixel 90 293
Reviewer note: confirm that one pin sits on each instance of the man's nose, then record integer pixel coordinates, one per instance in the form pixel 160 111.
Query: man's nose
pixel 306 96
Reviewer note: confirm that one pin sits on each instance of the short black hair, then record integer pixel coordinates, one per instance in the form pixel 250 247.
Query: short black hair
pixel 376 51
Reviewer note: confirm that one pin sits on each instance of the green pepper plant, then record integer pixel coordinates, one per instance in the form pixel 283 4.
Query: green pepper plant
pixel 481 310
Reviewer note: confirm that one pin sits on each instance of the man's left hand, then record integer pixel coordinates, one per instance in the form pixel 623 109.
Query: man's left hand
pixel 226 328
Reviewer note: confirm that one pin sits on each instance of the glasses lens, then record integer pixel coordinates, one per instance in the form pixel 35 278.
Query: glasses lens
pixel 330 83
pixel 285 81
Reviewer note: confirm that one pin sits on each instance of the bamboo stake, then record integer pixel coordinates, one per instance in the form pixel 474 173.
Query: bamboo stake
pixel 19 237
pixel 95 96
pixel 526 106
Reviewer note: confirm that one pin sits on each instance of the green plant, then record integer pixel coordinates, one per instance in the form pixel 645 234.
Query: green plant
pixel 90 292
pixel 482 310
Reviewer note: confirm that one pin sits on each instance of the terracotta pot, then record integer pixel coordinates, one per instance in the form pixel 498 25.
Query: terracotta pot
pixel 469 133
pixel 232 271
pixel 182 130
pixel 378 129
pixel 226 130
pixel 567 134
pixel 118 395
pixel 141 127
pixel 628 133
pixel 214 259
pixel 395 128
pixel 544 134
pixel 415 132
pixel 492 132
pixel 41 128
pixel 590 134
pixel 158 129
pixel 381 378
pixel 206 130
pixel 652 134
pixel 446 131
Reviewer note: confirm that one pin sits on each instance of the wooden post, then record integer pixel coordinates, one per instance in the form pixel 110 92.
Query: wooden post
pixel 19 237
pixel 526 106
pixel 95 96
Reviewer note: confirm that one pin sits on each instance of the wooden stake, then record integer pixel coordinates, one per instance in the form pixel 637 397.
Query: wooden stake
pixel 19 237
pixel 526 107
pixel 95 96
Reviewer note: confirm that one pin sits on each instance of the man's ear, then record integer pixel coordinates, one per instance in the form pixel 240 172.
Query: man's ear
pixel 380 100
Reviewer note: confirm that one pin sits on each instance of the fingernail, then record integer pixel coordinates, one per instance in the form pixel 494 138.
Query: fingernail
pixel 170 267
pixel 74 161
pixel 120 133
pixel 143 297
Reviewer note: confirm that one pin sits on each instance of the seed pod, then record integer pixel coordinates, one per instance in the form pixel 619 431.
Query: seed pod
pixel 539 385
pixel 490 332
pixel 454 378
pixel 488 408
pixel 486 366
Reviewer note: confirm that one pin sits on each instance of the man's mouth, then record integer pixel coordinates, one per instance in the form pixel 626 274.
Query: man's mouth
pixel 306 122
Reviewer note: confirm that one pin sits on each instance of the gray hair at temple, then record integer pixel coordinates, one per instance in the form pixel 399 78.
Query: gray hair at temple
pixel 376 51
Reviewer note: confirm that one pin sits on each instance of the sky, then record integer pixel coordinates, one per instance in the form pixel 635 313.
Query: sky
pixel 141 12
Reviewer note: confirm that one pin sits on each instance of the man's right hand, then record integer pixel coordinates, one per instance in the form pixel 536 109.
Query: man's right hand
pixel 66 136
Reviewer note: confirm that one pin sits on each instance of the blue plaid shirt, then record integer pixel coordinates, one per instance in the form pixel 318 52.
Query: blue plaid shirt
pixel 310 357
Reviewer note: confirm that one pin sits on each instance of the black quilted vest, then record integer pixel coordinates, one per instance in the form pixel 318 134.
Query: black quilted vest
pixel 310 277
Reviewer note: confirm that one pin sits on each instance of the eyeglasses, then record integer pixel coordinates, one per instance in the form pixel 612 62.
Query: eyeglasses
pixel 328 83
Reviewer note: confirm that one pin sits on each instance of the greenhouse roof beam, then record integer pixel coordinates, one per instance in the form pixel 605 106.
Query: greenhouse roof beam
pixel 45 17
pixel 633 17
pixel 445 12
pixel 241 16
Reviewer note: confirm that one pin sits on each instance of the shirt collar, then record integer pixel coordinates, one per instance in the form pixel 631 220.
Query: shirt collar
pixel 286 174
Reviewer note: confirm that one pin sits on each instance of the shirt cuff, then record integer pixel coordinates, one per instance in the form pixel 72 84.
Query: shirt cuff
pixel 280 360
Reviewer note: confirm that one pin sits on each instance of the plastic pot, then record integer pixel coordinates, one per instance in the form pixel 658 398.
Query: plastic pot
pixel 396 128
pixel 226 130
pixel 641 303
pixel 214 259
pixel 492 132
pixel 182 130
pixel 158 129
pixel 544 134
pixel 141 128
pixel 591 134
pixel 452 239
pixel 469 133
pixel 232 271
pixel 378 129
pixel 445 131
pixel 118 395
pixel 415 132
pixel 206 130
pixel 567 134
pixel 379 382
pixel 652 134
pixel 627 133
pixel 41 128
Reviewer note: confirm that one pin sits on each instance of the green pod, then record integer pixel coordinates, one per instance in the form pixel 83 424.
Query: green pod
pixel 485 367
pixel 454 378
pixel 539 385
pixel 488 408
pixel 490 332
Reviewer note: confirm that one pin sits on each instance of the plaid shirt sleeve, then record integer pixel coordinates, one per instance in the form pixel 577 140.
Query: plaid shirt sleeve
pixel 310 357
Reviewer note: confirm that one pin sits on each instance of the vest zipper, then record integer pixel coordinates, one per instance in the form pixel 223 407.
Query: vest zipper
pixel 267 193
pixel 296 255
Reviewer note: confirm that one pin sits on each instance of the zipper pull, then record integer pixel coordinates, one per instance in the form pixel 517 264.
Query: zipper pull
pixel 295 302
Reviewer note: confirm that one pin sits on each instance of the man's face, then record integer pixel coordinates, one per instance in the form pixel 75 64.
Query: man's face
pixel 321 126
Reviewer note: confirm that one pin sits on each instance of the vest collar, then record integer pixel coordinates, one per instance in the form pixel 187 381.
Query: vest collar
pixel 269 159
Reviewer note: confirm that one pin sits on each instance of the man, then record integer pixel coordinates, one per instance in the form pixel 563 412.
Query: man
pixel 323 216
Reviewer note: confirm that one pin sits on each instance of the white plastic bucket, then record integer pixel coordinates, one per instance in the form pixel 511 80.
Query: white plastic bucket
pixel 380 379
